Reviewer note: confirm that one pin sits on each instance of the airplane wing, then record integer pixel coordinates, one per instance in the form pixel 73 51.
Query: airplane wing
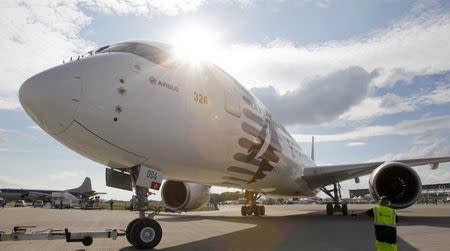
pixel 321 176
pixel 92 193
pixel 37 194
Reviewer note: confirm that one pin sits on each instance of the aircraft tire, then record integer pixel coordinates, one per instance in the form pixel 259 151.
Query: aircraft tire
pixel 250 210
pixel 344 209
pixel 262 210
pixel 329 209
pixel 128 230
pixel 146 233
pixel 256 210
pixel 244 210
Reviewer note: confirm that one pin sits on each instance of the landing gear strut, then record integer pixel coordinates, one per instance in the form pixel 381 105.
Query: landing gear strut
pixel 336 195
pixel 143 232
pixel 250 207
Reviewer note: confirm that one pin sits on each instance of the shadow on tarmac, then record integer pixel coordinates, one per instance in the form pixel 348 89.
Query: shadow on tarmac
pixel 431 221
pixel 311 231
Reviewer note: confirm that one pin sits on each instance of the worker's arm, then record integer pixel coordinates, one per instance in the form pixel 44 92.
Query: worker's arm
pixel 367 213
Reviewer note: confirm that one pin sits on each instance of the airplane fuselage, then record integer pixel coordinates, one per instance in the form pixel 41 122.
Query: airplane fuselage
pixel 135 106
pixel 10 194
pixel 192 122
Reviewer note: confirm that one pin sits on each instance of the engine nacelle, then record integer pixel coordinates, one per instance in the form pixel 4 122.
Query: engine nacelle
pixel 179 195
pixel 399 182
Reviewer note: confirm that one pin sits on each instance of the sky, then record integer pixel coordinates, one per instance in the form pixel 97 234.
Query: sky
pixel 370 79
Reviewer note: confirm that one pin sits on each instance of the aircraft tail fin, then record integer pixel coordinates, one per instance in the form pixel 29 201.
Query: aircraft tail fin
pixel 85 187
pixel 312 148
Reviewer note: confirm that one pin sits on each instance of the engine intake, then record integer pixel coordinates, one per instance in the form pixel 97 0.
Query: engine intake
pixel 399 182
pixel 179 195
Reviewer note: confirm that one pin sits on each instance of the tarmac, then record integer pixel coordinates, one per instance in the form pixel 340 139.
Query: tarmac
pixel 285 227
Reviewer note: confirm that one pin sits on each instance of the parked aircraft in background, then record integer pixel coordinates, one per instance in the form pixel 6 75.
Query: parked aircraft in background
pixel 12 194
pixel 147 114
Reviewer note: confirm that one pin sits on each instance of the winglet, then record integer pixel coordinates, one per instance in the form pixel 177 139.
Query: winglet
pixel 312 148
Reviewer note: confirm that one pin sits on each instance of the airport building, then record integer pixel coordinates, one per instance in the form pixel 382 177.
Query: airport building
pixel 430 193
pixel 356 193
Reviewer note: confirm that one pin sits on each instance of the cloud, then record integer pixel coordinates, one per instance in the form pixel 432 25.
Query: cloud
pixel 425 145
pixel 408 127
pixel 35 128
pixel 438 96
pixel 319 100
pixel 143 7
pixel 390 103
pixel 2 135
pixel 7 181
pixel 356 144
pixel 378 106
pixel 164 7
pixel 67 175
pixel 9 102
pixel 418 44
pixel 36 35
pixel 322 3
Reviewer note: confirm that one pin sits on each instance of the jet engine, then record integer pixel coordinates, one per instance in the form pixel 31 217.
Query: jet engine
pixel 399 182
pixel 179 195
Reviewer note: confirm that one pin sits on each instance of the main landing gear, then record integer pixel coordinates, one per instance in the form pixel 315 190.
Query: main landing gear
pixel 250 206
pixel 336 195
pixel 143 232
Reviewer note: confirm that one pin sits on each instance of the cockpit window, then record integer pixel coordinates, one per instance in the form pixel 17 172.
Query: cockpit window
pixel 101 49
pixel 154 54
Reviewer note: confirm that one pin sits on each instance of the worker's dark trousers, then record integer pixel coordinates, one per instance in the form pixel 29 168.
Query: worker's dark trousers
pixel 386 238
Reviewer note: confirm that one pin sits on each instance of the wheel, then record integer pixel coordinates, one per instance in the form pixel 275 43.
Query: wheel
pixel 344 209
pixel 256 210
pixel 145 233
pixel 262 210
pixel 329 209
pixel 243 210
pixel 128 230
pixel 250 210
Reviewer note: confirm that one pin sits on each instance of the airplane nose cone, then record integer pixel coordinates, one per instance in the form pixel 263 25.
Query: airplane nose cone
pixel 51 97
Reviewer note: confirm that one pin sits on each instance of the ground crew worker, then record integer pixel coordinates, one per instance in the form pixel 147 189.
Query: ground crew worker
pixel 385 220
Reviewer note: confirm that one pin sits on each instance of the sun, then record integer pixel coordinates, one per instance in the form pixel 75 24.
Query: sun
pixel 195 43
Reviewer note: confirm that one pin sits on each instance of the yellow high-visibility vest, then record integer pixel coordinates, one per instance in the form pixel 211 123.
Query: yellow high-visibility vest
pixel 384 216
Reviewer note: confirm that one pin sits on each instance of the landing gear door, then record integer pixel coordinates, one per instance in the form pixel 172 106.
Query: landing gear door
pixel 117 179
pixel 232 102
pixel 149 177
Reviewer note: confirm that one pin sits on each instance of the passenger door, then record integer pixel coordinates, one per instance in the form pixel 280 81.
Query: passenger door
pixel 232 102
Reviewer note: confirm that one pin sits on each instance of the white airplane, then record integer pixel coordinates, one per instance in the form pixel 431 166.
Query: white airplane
pixel 82 192
pixel 147 114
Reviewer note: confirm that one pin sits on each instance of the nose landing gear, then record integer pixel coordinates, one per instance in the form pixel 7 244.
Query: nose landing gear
pixel 250 206
pixel 143 232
